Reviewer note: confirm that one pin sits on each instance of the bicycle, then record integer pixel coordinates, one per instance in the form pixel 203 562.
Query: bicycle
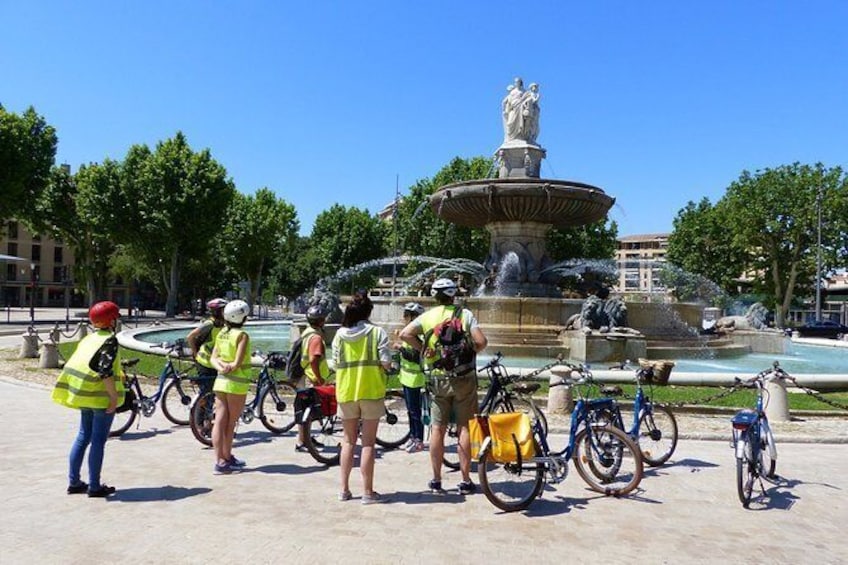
pixel 501 396
pixel 653 426
pixel 325 432
pixel 273 403
pixel 605 457
pixel 753 441
pixel 175 392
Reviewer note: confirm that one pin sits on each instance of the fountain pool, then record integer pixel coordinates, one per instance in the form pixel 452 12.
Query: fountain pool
pixel 264 336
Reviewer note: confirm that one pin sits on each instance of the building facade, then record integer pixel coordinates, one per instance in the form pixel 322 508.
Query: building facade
pixel 640 259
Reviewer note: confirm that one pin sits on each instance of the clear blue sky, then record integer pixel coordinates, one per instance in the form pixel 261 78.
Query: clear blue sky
pixel 658 102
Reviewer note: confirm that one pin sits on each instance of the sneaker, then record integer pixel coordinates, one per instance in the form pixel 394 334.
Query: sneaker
pixel 345 495
pixel 374 498
pixel 102 492
pixel 436 487
pixel 223 469
pixel 466 487
pixel 300 448
pixel 415 446
pixel 235 462
pixel 78 488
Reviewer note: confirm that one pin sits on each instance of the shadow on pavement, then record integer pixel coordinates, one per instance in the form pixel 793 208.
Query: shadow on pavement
pixel 423 497
pixel 151 494
pixel 132 436
pixel 286 469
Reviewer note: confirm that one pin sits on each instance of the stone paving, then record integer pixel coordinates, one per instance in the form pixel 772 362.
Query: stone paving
pixel 283 508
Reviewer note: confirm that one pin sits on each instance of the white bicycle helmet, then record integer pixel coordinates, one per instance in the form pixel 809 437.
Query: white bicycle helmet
pixel 413 308
pixel 443 286
pixel 236 312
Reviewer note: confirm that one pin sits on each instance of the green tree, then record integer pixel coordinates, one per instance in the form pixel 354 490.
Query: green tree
pixel 593 241
pixel 27 152
pixel 172 205
pixel 703 244
pixel 421 232
pixel 258 229
pixel 343 237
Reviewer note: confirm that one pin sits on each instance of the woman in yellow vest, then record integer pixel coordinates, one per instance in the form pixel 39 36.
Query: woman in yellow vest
pixel 362 357
pixel 231 357
pixel 202 338
pixel 91 382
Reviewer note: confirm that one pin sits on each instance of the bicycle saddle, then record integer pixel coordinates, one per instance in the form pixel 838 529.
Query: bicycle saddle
pixel 526 388
pixel 129 362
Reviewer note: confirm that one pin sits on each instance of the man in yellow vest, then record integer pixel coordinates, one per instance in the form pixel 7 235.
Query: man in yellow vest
pixel 202 338
pixel 313 359
pixel 455 390
pixel 92 382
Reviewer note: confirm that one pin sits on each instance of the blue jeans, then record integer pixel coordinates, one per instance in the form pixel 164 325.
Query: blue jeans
pixel 412 396
pixel 94 430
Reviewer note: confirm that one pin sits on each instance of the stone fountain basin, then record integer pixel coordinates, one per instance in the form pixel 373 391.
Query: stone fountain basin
pixel 557 202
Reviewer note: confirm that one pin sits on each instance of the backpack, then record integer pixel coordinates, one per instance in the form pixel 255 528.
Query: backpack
pixel 204 334
pixel 453 344
pixel 294 370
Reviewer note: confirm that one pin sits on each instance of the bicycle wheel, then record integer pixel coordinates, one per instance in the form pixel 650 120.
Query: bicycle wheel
pixel 607 460
pixel 202 417
pixel 519 404
pixel 393 430
pixel 450 459
pixel 125 418
pixel 324 438
pixel 276 408
pixel 657 435
pixel 176 400
pixel 510 486
pixel 768 451
pixel 745 477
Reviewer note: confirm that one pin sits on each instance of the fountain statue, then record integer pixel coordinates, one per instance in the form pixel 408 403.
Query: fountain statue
pixel 519 207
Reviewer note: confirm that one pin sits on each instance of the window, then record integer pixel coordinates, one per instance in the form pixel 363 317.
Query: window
pixel 36 252
pixel 12 248
pixel 57 255
pixel 11 272
pixel 12 230
pixel 57 274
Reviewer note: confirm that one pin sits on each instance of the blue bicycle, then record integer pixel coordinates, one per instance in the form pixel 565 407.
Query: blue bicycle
pixel 753 441
pixel 605 457
pixel 653 426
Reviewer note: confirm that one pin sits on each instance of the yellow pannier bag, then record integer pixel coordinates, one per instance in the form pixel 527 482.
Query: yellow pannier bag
pixel 510 432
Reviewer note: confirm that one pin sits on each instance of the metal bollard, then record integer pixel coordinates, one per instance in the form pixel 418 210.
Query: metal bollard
pixel 56 333
pixel 49 356
pixel 777 409
pixel 29 346
pixel 560 400
pixel 83 329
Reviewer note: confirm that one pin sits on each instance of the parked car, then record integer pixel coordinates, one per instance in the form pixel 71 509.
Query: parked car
pixel 823 328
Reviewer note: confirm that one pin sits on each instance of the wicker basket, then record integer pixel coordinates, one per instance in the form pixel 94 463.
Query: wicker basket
pixel 661 370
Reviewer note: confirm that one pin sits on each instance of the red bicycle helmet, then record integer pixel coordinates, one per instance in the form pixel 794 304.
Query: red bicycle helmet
pixel 103 314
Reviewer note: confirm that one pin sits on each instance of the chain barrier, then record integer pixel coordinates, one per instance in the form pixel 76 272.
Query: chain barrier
pixel 817 395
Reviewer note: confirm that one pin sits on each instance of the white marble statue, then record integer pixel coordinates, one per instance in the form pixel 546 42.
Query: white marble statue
pixel 520 110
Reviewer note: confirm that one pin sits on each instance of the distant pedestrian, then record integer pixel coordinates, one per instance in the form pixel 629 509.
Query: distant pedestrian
pixel 92 382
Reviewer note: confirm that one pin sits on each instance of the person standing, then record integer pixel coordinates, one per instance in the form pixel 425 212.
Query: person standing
pixel 362 357
pixel 92 382
pixel 201 339
pixel 455 390
pixel 231 358
pixel 412 379
pixel 313 359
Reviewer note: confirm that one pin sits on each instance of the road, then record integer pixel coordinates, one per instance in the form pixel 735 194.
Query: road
pixel 283 508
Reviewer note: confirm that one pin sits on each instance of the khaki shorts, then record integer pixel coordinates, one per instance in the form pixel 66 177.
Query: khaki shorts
pixel 454 400
pixel 362 409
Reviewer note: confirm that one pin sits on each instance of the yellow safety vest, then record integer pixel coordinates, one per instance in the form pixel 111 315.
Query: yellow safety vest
pixel 359 373
pixel 204 352
pixel 432 318
pixel 411 374
pixel 237 382
pixel 80 387
pixel 304 356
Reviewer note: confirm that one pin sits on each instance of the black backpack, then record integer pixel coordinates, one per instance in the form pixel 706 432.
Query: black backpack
pixel 453 344
pixel 294 370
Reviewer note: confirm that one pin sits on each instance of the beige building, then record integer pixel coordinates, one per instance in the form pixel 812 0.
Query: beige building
pixel 44 271
pixel 639 259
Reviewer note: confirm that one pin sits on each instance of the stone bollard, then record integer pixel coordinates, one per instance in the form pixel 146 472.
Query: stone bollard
pixel 777 409
pixel 83 329
pixel 49 356
pixel 56 334
pixel 560 400
pixel 29 346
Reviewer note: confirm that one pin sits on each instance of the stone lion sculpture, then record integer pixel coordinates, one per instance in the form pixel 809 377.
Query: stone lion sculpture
pixel 598 314
pixel 756 318
pixel 328 301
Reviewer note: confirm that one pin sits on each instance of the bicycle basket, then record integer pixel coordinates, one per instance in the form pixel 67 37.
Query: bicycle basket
pixel 659 372
pixel 511 435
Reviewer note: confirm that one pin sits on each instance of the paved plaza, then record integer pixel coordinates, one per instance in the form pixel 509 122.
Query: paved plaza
pixel 283 508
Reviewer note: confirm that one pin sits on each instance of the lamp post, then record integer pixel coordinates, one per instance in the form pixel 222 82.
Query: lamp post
pixel 819 197
pixel 32 294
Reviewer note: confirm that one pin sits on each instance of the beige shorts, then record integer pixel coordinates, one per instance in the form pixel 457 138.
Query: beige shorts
pixel 362 409
pixel 454 400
